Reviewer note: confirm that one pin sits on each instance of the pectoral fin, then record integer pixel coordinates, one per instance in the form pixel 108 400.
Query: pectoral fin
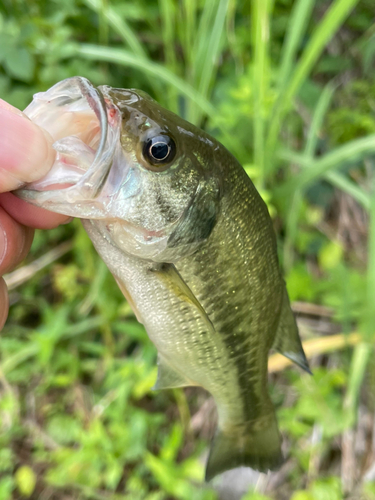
pixel 128 297
pixel 174 281
pixel 168 377
pixel 287 340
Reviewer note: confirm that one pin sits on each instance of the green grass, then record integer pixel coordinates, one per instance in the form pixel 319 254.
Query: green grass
pixel 78 418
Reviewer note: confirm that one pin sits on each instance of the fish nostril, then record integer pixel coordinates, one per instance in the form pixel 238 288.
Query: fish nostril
pixel 125 113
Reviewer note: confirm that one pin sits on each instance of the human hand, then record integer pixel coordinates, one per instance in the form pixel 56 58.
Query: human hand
pixel 26 154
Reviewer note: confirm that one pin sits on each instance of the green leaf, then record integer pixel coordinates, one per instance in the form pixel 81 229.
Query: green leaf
pixel 64 429
pixel 25 480
pixel 302 495
pixel 6 487
pixel 20 64
pixel 330 255
pixel 255 496
pixel 7 43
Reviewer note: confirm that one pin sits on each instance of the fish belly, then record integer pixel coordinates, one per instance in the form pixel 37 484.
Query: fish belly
pixel 182 334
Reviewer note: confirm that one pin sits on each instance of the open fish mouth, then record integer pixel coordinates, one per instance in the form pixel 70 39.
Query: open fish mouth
pixel 85 127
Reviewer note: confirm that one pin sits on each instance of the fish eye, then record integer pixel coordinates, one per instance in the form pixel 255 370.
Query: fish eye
pixel 159 150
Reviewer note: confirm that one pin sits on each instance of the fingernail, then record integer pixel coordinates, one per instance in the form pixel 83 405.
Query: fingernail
pixel 3 245
pixel 9 107
pixel 26 152
pixel 4 303
pixel 67 221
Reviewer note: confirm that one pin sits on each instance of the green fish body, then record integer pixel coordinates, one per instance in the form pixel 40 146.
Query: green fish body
pixel 191 244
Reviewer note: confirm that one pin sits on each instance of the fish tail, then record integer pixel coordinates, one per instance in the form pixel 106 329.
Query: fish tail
pixel 255 445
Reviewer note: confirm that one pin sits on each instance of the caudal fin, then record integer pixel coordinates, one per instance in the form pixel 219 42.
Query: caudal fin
pixel 256 445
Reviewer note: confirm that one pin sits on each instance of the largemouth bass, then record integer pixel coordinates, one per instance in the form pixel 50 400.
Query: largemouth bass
pixel 190 243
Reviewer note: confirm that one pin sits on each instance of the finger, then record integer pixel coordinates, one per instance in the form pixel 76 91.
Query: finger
pixel 15 242
pixel 29 215
pixel 4 303
pixel 9 107
pixel 26 152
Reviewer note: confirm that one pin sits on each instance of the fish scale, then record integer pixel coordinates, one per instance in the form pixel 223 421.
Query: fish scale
pixel 232 317
pixel 191 245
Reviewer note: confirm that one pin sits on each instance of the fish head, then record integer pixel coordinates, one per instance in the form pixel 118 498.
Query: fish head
pixel 147 179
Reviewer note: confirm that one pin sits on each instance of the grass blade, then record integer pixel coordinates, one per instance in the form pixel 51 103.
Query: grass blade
pixel 311 143
pixel 291 227
pixel 349 153
pixel 296 29
pixel 11 362
pixel 119 25
pixel 358 367
pixel 33 348
pixel 24 273
pixel 125 58
pixel 103 22
pixel 336 178
pixel 167 11
pixel 343 183
pixel 318 118
pixel 213 47
pixel 209 50
pixel 198 50
pixel 370 309
pixel 325 30
pixel 260 42
pixel 188 23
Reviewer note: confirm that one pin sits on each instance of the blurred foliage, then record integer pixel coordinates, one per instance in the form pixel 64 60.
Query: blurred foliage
pixel 288 86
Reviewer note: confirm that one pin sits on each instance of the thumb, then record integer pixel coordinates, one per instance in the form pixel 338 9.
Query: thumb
pixel 26 152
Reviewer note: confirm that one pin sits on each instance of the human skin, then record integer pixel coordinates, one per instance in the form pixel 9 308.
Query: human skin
pixel 26 154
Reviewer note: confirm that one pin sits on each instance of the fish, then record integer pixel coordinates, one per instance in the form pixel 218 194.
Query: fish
pixel 191 245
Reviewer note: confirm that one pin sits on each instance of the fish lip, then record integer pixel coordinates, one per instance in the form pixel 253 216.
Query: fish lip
pixel 89 186
pixel 92 182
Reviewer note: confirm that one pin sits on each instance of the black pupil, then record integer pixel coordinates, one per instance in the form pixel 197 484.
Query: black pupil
pixel 159 150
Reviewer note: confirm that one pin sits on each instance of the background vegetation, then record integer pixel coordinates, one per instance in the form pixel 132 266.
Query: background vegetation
pixel 289 87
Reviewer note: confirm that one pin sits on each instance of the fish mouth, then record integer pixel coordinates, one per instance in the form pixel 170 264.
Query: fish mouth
pixel 85 127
